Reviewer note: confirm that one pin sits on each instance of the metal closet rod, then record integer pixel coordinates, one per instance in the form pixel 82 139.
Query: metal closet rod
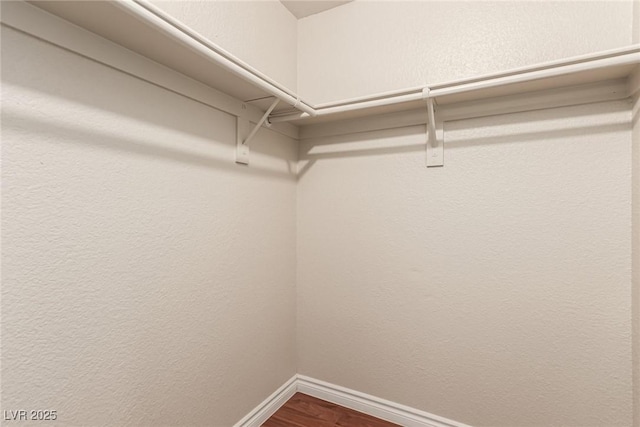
pixel 628 55
pixel 148 13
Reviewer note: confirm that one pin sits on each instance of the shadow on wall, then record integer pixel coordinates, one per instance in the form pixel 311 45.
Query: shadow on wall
pixel 108 141
pixel 93 77
pixel 381 143
pixel 116 97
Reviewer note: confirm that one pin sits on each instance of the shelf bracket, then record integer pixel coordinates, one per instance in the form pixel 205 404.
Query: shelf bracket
pixel 242 126
pixel 435 134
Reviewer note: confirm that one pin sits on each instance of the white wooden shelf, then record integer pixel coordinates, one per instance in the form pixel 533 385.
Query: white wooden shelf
pixel 144 29
pixel 102 27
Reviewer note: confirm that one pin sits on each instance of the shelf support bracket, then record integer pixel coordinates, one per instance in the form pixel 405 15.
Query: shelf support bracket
pixel 435 134
pixel 242 141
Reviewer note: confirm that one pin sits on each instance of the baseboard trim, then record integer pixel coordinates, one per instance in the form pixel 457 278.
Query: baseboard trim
pixel 270 405
pixel 362 402
pixel 372 405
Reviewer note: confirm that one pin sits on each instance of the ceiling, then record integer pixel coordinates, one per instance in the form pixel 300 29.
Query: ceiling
pixel 302 8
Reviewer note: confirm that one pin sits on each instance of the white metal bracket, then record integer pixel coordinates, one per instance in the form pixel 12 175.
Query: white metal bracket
pixel 435 133
pixel 242 150
pixel 242 129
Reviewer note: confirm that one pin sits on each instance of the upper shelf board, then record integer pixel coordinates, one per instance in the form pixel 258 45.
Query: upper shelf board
pixel 107 19
pixel 114 22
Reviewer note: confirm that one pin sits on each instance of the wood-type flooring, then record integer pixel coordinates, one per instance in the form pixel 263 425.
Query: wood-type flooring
pixel 306 411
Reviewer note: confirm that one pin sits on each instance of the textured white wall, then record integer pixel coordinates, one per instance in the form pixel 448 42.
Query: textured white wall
pixel 636 21
pixel 366 47
pixel 494 291
pixel 261 33
pixel 636 241
pixel 497 290
pixel 636 219
pixel 147 279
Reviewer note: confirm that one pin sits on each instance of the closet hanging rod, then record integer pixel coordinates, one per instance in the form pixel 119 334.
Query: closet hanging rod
pixel 629 55
pixel 152 15
pixel 376 96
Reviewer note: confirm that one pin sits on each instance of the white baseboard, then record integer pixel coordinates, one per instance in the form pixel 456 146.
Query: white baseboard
pixel 371 405
pixel 361 402
pixel 270 405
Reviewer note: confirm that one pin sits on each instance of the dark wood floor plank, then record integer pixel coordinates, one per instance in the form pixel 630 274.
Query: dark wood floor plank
pixel 306 411
pixel 301 419
pixel 316 408
pixel 357 419
pixel 276 422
